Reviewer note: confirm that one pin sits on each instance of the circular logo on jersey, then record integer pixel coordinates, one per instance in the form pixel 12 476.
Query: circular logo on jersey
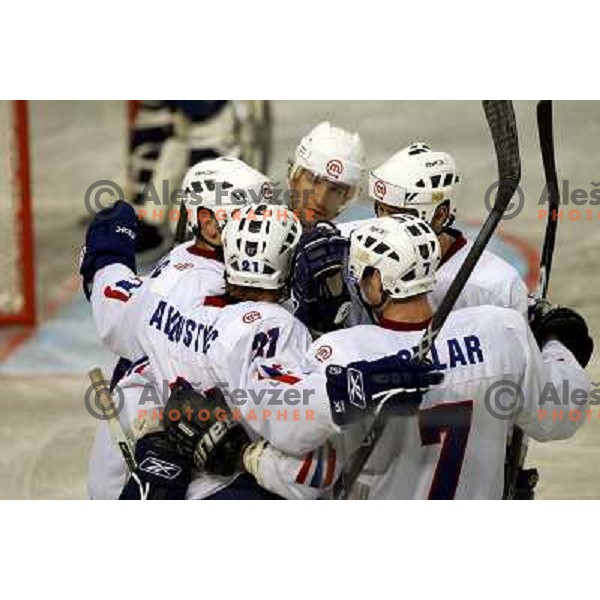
pixel 324 353
pixel 266 191
pixel 334 168
pixel 251 316
pixel 379 189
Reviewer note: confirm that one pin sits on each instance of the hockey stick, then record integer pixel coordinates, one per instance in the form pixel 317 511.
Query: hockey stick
pixel 179 237
pixel 109 410
pixel 546 134
pixel 503 127
pixel 517 451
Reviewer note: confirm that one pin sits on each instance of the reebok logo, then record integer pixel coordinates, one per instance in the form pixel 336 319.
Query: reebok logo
pixel 356 389
pixel 160 468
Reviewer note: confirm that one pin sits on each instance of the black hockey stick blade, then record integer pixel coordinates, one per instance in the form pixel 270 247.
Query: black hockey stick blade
pixel 502 123
pixel 546 136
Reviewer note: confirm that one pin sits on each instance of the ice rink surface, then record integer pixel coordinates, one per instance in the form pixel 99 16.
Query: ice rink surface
pixel 45 431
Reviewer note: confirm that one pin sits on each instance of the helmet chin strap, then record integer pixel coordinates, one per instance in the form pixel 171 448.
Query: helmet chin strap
pixel 447 224
pixel 384 298
pixel 217 248
pixel 373 308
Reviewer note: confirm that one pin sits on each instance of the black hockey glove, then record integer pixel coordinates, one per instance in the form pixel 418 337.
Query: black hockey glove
pixel 357 390
pixel 548 321
pixel 203 430
pixel 319 292
pixel 162 473
pixel 110 239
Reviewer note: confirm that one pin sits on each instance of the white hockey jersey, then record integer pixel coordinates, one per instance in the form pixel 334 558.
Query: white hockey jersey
pixel 132 314
pixel 148 321
pixel 493 280
pixel 260 352
pixel 455 447
pixel 153 322
pixel 256 357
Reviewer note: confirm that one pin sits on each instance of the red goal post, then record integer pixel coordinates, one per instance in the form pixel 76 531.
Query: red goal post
pixel 17 272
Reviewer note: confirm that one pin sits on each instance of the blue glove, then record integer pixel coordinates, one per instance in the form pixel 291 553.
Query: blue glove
pixel 356 390
pixel 320 255
pixel 110 239
pixel 161 473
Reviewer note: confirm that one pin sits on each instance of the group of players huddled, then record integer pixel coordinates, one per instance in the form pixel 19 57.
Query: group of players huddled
pixel 269 338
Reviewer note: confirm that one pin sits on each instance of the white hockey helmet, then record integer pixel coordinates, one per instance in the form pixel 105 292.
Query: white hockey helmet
pixel 222 185
pixel 404 249
pixel 332 153
pixel 258 245
pixel 416 178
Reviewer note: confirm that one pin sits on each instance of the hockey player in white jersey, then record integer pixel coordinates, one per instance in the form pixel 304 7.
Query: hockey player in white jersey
pixel 192 273
pixel 119 296
pixel 257 351
pixel 419 181
pixel 325 173
pixel 454 446
pixel 190 276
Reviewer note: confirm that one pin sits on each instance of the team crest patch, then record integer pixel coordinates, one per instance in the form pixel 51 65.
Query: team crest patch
pixel 334 168
pixel 324 353
pixel 251 316
pixel 183 266
pixel 380 189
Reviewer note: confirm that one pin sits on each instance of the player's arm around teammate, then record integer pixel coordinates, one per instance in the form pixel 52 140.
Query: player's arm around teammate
pixel 512 354
pixel 257 345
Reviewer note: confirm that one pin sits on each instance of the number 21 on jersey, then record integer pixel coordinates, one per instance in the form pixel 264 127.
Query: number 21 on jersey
pixel 264 344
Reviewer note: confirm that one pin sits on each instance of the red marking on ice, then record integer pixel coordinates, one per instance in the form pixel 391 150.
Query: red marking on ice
pixel 66 290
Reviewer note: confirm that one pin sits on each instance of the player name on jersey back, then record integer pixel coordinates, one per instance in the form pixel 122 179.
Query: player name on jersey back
pixel 179 328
